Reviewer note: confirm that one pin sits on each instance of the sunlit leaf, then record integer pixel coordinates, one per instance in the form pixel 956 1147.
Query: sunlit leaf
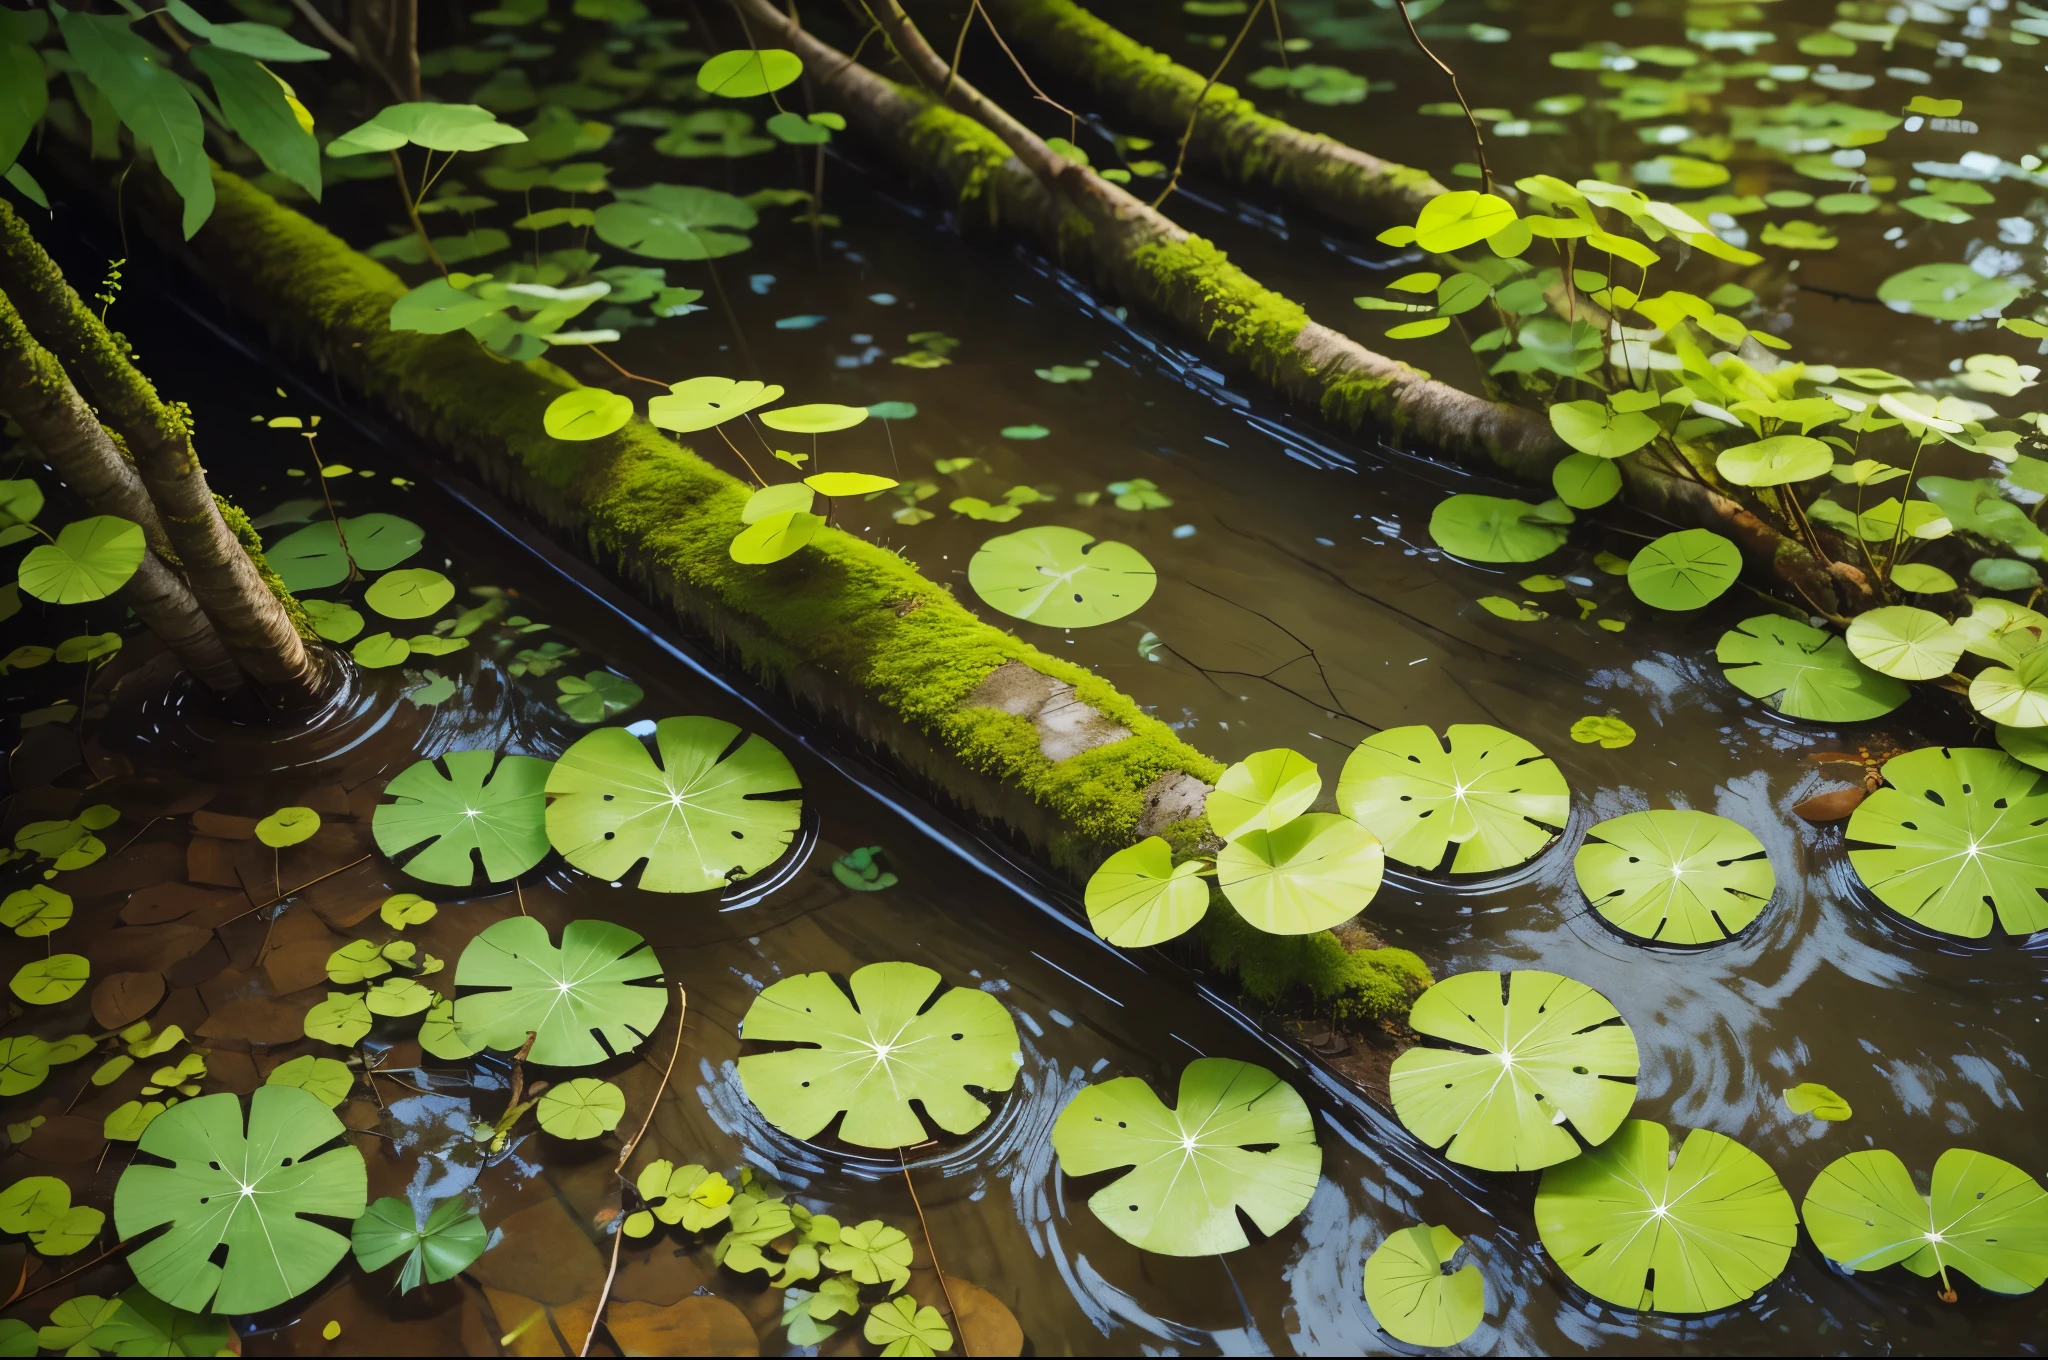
pixel 583 1107
pixel 1902 641
pixel 1675 876
pixel 442 1247
pixel 1982 1217
pixel 90 560
pixel 438 127
pixel 1139 896
pixel 1804 672
pixel 483 807
pixel 745 72
pixel 1953 841
pixel 1414 1297
pixel 1061 577
pixel 1495 529
pixel 1684 570
pixel 586 413
pixel 1486 791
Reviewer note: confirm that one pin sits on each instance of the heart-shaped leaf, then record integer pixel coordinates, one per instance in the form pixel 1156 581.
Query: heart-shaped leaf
pixel 288 826
pixel 1140 896
pixel 312 558
pixel 1463 217
pixel 90 560
pixel 1314 872
pixel 1414 1297
pixel 1265 790
pixel 1776 461
pixel 437 127
pixel 1497 529
pixel 586 413
pixel 1598 430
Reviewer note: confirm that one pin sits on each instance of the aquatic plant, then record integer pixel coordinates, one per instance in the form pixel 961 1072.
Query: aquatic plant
pixel 1674 876
pixel 599 994
pixel 1416 1296
pixel 468 812
pixel 1982 1217
pixel 1486 791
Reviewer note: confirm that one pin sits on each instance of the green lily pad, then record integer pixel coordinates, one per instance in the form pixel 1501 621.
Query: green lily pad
pixel 33 1203
pixel 1485 790
pixel 469 810
pixel 583 1107
pixel 1314 872
pixel 599 995
pixel 1239 1141
pixel 38 909
pixel 90 560
pixel 325 1079
pixel 1265 790
pixel 1139 896
pixel 745 72
pixel 715 809
pixel 312 558
pixel 1634 1227
pixel 872 1253
pixel 439 1037
pixel 1598 430
pixel 1611 734
pixel 676 222
pixel 690 1195
pixel 145 1325
pixel 250 1192
pixel 288 827
pixel 586 413
pixel 1535 1051
pixel 872 1054
pixel 1904 642
pixel 343 1018
pixel 1810 1097
pixel 844 483
pixel 1585 482
pixel 1061 577
pixel 1673 876
pixel 818 418
pixel 410 593
pixel 24 1063
pixel 1685 570
pixel 441 1248
pixel 47 981
pixel 437 127
pixel 1982 1217
pixel 1947 292
pixel 334 622
pixel 700 403
pixel 380 651
pixel 1497 529
pixel 1956 842
pixel 597 696
pixel 780 499
pixel 1776 461
pixel 1414 1298
pixel 903 1326
pixel 1804 672
pixel 2014 696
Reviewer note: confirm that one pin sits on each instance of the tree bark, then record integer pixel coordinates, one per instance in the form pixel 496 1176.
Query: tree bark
pixel 36 393
pixel 251 621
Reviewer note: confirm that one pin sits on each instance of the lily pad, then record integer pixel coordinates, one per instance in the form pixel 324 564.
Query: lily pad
pixel 599 995
pixel 1265 790
pixel 676 222
pixel 1497 529
pixel 470 807
pixel 288 826
pixel 441 1248
pixel 1776 461
pixel 1487 791
pixel 1314 872
pixel 583 1107
pixel 1415 1297
pixel 1611 734
pixel 1585 482
pixel 2014 696
pixel 700 403
pixel 1947 292
pixel 1639 1229
pixel 715 809
pixel 872 1054
pixel 1685 570
pixel 1140 896
pixel 818 418
pixel 744 72
pixel 597 696
pixel 1810 1097
pixel 774 537
pixel 1598 430
pixel 690 1195
pixel 47 981
pixel 845 483
pixel 250 1192
pixel 586 413
pixel 334 622
pixel 90 560
pixel 1804 672
pixel 1061 577
pixel 325 1079
pixel 312 558
pixel 411 593
pixel 1535 1051
pixel 39 909
pixel 1904 642
pixel 1673 876
pixel 145 1325
pixel 1983 1217
pixel 1240 1140
pixel 1954 841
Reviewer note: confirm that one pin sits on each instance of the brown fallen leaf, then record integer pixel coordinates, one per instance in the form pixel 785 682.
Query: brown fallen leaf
pixel 298 964
pixel 533 1328
pixel 1831 806
pixel 138 948
pixel 256 1020
pixel 699 1325
pixel 988 1325
pixel 146 861
pixel 210 860
pixel 196 967
pixel 66 1138
pixel 160 902
pixel 121 999
pixel 224 825
pixel 143 798
pixel 544 1253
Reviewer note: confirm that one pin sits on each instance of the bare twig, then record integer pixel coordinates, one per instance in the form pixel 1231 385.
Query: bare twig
pixel 1180 160
pixel 117 1248
pixel 294 892
pixel 959 1327
pixel 326 30
pixel 1478 139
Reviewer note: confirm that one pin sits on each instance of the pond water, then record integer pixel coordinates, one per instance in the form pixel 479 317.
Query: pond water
pixel 1301 603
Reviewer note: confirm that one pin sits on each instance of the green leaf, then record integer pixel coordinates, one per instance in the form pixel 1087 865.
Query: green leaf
pixel 1688 569
pixel 676 222
pixel 343 1019
pixel 74 1321
pixel 774 537
pixel 604 981
pixel 1922 579
pixel 147 96
pixel 597 696
pixel 1265 790
pixel 21 500
pixel 797 130
pixel 47 981
pixel 379 651
pixel 251 1193
pixel 1956 841
pixel 88 647
pixel 1634 1227
pixel 785 498
pixel 1485 790
pixel 288 826
pixel 873 1054
pixel 1139 896
pixel 1776 461
pixel 2015 696
pixel 1585 482
pixel 437 127
pixel 903 1326
pixel 90 560
pixel 745 72
pixel 24 1063
pixel 1799 235
pixel 1598 429
pixel 700 403
pixel 438 1035
pixel 872 1253
pixel 817 418
pixel 1947 292
pixel 587 413
pixel 844 483
pixel 1804 672
pixel 438 307
pixel 1417 330
pixel 70 1232
pixel 146 1325
pixel 334 622
pixel 1611 733
pixel 439 1249
pixel 1810 1097
pixel 1061 577
pixel 1673 876
pixel 1414 1297
pixel 261 112
pixel 1314 872
pixel 1908 643
pixel 689 1195
pixel 1494 529
pixel 409 593
pixel 581 1108
pixel 24 96
pixel 1983 1217
pixel 35 910
pixel 264 42
pixel 1534 1051
pixel 1460 218
pixel 324 1079
pixel 468 806
pixel 33 1203
pixel 1193 1168
pixel 312 558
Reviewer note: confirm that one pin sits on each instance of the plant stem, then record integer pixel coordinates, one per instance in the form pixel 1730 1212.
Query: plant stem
pixel 959 1327
pixel 1187 135
pixel 412 211
pixel 110 1251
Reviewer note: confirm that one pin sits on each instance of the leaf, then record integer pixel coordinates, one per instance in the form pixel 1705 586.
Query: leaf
pixel 136 79
pixel 1611 733
pixel 444 1246
pixel 1061 577
pixel 90 560
pixel 844 483
pixel 774 537
pixel 73 1321
pixel 334 622
pixel 262 111
pixel 700 403
pixel 343 1019
pixel 1193 1169
pixel 1463 217
pixel 324 1079
pixel 872 1054
pixel 1908 643
pixel 312 558
pixel 33 1203
pixel 817 418
pixel 437 127
pixel 379 651
pixel 1414 1297
pixel 785 498
pixel 35 910
pixel 1585 482
pixel 1776 461
pixel 902 1326
pixel 264 42
pixel 2015 696
pixel 1955 841
pixel 1312 873
pixel 676 222
pixel 250 1192
pixel 287 827
pixel 1501 607
pixel 146 1325
pixel 745 72
pixel 1804 672
pixel 1922 579
pixel 689 1195
pixel 1265 790
pixel 1417 330
pixel 47 981
pixel 438 1035
pixel 1139 896
pixel 24 1063
pixel 70 1232
pixel 409 593
pixel 1534 1051
pixel 1947 292
pixel 586 413
pixel 1983 1217
pixel 1634 1227
pixel 1485 790
pixel 600 994
pixel 581 1108
pixel 1494 529
pixel 1674 876
pixel 1685 570
pixel 1598 429
pixel 597 696
pixel 1810 1097
pixel 483 808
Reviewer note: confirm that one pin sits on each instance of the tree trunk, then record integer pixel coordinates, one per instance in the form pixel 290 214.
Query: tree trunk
pixel 249 618
pixel 35 392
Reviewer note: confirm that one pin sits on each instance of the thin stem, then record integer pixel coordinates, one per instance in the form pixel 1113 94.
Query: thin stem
pixel 1899 531
pixel 294 892
pixel 741 456
pixel 1478 139
pixel 1073 119
pixel 619 1170
pixel 959 1327
pixel 1180 160
pixel 622 370
pixel 412 211
pixel 355 573
pixel 959 46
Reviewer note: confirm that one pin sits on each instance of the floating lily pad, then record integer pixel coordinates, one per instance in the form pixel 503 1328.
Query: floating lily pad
pixel 1414 1297
pixel 583 1107
pixel 249 1191
pixel 871 1055
pixel 744 72
pixel 441 1248
pixel 1535 1051
pixel 1609 733
pixel 1634 1227
pixel 470 808
pixel 676 222
pixel 586 413
pixel 437 127
pixel 1585 482
pixel 1487 791
pixel 1496 529
pixel 599 995
pixel 1599 431
pixel 845 483
pixel 716 808
pixel 411 593
pixel 90 560
pixel 1240 1140
pixel 47 981
pixel 325 1079
pixel 700 403
pixel 818 418
pixel 1314 872
pixel 1955 841
pixel 597 696
pixel 334 622
pixel 1061 577
pixel 312 558
pixel 2016 695
pixel 1265 790
pixel 1140 896
pixel 1810 1097
pixel 1673 876
pixel 1804 672
pixel 288 826
pixel 1904 642
pixel 39 909
pixel 1685 570
pixel 1983 1217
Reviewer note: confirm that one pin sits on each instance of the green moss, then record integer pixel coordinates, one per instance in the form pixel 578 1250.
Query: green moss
pixel 245 533
pixel 963 151
pixel 1359 986
pixel 1255 322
